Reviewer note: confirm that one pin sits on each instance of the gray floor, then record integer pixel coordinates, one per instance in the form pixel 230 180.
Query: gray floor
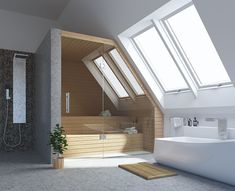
pixel 25 172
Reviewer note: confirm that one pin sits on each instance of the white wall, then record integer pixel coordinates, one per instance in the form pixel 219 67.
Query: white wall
pixel 106 18
pixel 201 114
pixel 218 97
pixel 22 32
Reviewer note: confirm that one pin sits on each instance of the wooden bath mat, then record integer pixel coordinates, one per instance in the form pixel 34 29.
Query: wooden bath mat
pixel 147 171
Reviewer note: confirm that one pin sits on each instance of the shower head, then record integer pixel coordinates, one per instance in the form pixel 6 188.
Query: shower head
pixel 22 56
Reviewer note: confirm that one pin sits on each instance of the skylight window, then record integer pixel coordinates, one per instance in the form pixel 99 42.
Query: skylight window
pixel 160 60
pixel 110 77
pixel 190 34
pixel 126 71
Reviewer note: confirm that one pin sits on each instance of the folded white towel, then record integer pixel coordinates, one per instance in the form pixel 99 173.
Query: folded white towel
pixel 177 122
pixel 130 130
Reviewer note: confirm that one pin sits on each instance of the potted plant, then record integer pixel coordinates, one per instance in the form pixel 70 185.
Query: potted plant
pixel 59 144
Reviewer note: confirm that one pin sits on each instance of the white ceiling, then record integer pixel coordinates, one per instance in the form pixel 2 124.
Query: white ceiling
pixel 49 9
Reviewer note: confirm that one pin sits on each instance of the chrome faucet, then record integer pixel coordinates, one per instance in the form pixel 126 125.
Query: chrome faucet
pixel 222 127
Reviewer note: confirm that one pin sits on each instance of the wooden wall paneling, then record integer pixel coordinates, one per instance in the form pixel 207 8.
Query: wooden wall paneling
pixel 145 109
pixel 85 92
pixel 75 49
pixel 88 38
pixel 83 144
pixel 159 124
pixel 149 119
pixel 152 125
pixel 94 124
pixel 90 145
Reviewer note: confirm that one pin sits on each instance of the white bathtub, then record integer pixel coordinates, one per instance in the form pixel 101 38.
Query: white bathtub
pixel 212 158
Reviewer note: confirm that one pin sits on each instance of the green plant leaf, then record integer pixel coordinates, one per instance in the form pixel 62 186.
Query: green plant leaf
pixel 57 140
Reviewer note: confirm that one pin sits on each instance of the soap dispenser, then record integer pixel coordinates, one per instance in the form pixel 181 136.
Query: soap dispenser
pixel 190 122
pixel 195 122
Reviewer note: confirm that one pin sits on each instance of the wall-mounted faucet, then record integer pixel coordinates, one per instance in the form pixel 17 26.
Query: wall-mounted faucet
pixel 221 121
pixel 8 94
pixel 222 127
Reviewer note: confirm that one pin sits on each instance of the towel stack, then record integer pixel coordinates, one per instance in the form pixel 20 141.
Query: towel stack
pixel 130 130
pixel 177 122
pixel 105 113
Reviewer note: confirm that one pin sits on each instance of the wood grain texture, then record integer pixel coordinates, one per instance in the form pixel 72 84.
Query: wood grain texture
pixel 74 49
pixel 149 119
pixel 90 145
pixel 148 171
pixel 88 38
pixel 76 125
pixel 58 163
pixel 85 92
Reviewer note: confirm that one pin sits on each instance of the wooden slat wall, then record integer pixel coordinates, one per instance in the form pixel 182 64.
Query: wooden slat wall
pixel 158 118
pixel 76 125
pixel 73 50
pixel 86 95
pixel 149 118
pixel 90 145
pixel 84 141
pixel 85 92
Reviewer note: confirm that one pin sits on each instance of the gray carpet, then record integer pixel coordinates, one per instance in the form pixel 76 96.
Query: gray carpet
pixel 24 172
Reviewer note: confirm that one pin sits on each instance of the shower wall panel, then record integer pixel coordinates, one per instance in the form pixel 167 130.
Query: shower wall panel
pixel 6 82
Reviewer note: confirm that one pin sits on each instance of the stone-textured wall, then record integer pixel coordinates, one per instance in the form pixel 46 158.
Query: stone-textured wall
pixel 47 83
pixel 6 81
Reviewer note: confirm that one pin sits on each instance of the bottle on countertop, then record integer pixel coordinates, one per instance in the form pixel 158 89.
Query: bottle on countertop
pixel 195 122
pixel 189 122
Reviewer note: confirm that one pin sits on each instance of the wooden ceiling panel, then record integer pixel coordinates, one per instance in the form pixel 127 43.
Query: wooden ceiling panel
pixel 76 49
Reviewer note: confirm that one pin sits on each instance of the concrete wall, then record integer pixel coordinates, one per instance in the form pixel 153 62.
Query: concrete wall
pixel 55 77
pixel 42 101
pixel 47 85
pixel 22 32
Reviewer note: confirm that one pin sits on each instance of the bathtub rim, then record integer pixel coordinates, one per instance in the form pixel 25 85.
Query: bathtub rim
pixel 191 140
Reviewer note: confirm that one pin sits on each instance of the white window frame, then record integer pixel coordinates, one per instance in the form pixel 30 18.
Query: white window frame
pixel 147 64
pixel 156 19
pixel 179 50
pixel 87 60
pixel 107 80
pixel 122 72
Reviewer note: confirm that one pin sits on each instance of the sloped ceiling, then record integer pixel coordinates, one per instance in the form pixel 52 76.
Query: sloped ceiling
pixel 109 18
pixel 49 9
pixel 218 17
pixel 106 18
